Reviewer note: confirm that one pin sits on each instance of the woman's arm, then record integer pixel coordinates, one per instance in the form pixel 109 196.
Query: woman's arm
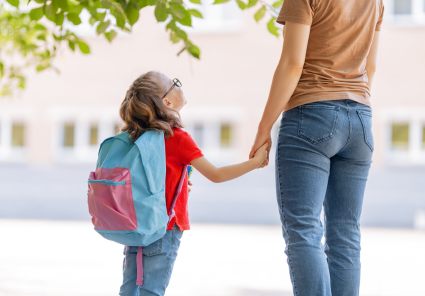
pixel 372 58
pixel 223 174
pixel 284 82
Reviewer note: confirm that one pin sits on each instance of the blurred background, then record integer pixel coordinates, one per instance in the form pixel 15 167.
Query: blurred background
pixel 51 132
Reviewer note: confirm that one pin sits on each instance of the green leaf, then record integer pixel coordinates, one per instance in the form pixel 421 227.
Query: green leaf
pixel 37 13
pixel 50 10
pixel 186 21
pixel 41 37
pixel 40 27
pixel 196 1
pixel 161 13
pixel 260 13
pixel 111 35
pixel 132 14
pixel 178 10
pixel 174 38
pixel 83 47
pixel 63 4
pixel 40 1
pixel 195 13
pixel 151 2
pixel 59 19
pixel 220 1
pixel 74 18
pixel 1 69
pixel 194 51
pixel 100 17
pixel 272 28
pixel 71 45
pixel 252 3
pixel 119 15
pixel 13 2
pixel 105 4
pixel 142 3
pixel 277 4
pixel 102 27
pixel 180 33
pixel 92 21
pixel 242 5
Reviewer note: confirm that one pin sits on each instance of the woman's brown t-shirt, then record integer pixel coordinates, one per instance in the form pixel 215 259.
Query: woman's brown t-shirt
pixel 341 36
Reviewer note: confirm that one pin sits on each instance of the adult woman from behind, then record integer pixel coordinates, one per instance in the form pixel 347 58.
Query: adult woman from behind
pixel 325 142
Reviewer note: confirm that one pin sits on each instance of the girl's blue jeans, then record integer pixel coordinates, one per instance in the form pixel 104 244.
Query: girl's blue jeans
pixel 158 263
pixel 323 157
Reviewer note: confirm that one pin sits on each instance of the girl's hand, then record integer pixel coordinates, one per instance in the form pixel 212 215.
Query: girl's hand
pixel 260 140
pixel 261 154
pixel 189 183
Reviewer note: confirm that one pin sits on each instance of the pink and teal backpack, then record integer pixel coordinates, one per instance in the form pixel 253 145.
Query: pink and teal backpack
pixel 126 195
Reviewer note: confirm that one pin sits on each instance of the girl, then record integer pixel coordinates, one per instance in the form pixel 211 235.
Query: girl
pixel 153 102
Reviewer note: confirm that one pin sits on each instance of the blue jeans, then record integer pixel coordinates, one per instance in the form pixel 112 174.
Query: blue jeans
pixel 323 157
pixel 158 263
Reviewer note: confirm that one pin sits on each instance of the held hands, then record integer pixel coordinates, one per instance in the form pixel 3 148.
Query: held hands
pixel 262 138
pixel 261 154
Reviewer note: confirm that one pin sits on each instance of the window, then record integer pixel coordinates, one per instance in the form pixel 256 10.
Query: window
pixel 93 135
pixel 198 135
pixel 400 136
pixel 423 137
pixel 18 135
pixel 68 135
pixel 402 7
pixel 225 135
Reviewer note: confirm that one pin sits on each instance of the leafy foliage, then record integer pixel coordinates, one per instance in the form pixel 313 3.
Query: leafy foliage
pixel 32 37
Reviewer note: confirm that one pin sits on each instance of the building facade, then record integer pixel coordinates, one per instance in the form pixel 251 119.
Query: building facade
pixel 64 118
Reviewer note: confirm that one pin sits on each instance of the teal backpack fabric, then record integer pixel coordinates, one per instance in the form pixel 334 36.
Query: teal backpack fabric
pixel 126 194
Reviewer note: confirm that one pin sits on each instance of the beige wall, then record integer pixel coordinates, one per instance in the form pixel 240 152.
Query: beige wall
pixel 228 85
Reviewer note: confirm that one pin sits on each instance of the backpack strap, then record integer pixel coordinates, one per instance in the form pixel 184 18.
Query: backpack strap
pixel 171 212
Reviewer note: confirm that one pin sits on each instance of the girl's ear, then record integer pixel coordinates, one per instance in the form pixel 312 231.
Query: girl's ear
pixel 167 102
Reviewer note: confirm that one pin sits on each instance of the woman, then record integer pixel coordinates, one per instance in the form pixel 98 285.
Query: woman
pixel 325 142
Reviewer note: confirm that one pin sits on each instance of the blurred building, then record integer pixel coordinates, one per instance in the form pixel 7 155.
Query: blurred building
pixel 63 118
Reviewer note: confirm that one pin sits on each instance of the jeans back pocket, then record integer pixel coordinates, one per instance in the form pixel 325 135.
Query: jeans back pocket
pixel 317 122
pixel 366 119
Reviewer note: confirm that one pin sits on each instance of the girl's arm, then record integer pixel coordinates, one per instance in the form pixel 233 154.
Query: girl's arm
pixel 285 80
pixel 223 174
pixel 372 58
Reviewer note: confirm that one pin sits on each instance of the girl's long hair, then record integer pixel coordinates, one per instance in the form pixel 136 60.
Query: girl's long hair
pixel 144 110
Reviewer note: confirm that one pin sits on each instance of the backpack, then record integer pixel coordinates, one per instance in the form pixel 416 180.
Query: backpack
pixel 126 196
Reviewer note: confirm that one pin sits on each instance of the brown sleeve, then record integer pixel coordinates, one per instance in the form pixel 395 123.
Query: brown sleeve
pixel 298 11
pixel 381 17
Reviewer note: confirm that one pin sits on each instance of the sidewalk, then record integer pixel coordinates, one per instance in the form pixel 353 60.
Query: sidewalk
pixel 61 258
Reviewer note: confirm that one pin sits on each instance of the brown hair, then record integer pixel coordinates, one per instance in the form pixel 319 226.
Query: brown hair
pixel 144 110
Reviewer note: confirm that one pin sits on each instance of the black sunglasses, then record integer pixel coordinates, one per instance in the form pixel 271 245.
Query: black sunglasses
pixel 177 83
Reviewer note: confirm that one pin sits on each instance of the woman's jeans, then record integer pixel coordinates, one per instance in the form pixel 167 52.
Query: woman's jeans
pixel 158 262
pixel 323 158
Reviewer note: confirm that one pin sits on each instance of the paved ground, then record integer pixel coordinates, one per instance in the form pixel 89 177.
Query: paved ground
pixel 67 258
pixel 392 198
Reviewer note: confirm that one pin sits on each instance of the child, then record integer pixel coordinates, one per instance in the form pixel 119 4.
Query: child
pixel 153 102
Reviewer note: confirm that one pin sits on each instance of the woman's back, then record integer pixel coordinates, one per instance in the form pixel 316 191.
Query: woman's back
pixel 341 35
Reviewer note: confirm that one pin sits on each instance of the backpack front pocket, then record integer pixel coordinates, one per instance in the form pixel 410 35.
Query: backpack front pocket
pixel 110 199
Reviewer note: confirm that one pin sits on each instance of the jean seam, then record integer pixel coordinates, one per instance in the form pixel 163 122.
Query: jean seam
pixel 366 139
pixel 170 268
pixel 349 128
pixel 281 206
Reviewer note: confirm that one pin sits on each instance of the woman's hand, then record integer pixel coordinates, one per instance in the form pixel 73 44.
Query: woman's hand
pixel 261 154
pixel 262 138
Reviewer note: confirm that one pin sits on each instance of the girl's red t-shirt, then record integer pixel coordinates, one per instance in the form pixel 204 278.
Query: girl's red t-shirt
pixel 180 150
